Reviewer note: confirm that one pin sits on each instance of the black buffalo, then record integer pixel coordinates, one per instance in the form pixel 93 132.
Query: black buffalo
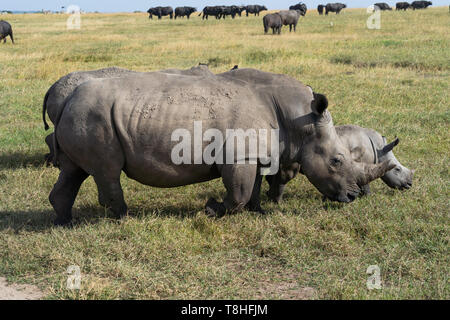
pixel 228 11
pixel 234 10
pixel 215 11
pixel 184 11
pixel 299 7
pixel 255 9
pixel 334 7
pixel 320 8
pixel 5 30
pixel 420 4
pixel 402 6
pixel 382 6
pixel 160 12
pixel 272 20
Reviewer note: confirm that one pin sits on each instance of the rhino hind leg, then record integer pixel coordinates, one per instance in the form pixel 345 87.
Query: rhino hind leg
pixel 49 156
pixel 110 194
pixel 239 180
pixel 66 189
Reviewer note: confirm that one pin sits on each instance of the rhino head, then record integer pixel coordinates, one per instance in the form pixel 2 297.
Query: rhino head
pixel 399 177
pixel 327 162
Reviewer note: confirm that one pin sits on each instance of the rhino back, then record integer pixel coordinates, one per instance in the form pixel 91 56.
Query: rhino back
pixel 147 108
pixel 64 87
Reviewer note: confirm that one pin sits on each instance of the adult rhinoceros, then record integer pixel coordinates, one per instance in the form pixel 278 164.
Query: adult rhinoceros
pixel 58 93
pixel 129 124
pixel 365 145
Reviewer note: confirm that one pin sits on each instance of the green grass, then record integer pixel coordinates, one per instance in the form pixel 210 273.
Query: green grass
pixel 395 80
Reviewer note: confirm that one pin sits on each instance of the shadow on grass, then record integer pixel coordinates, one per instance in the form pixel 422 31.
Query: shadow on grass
pixel 42 220
pixel 21 160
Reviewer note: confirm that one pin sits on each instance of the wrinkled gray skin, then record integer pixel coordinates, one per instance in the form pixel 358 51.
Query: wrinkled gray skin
pixel 365 145
pixel 272 20
pixel 5 30
pixel 125 124
pixel 58 93
pixel 289 18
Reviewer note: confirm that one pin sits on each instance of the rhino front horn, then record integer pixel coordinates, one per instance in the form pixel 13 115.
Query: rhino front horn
pixel 375 171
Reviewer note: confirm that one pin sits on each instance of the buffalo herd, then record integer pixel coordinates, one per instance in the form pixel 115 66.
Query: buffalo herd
pixel 383 6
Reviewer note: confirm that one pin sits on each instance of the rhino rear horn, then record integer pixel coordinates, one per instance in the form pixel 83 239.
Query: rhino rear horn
pixel 388 148
pixel 319 104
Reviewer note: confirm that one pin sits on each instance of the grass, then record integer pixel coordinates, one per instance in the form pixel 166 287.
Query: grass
pixel 395 80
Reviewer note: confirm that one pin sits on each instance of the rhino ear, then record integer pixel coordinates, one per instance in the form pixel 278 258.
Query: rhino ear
pixel 319 104
pixel 388 148
pixel 357 153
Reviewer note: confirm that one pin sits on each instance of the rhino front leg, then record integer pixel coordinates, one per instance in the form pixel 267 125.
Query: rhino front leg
pixel 66 189
pixel 276 188
pixel 365 190
pixel 255 201
pixel 239 180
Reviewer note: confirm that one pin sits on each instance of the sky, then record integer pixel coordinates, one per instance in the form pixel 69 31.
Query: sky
pixel 142 5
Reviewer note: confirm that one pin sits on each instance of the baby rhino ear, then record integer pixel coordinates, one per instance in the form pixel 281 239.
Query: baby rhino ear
pixel 319 104
pixel 357 154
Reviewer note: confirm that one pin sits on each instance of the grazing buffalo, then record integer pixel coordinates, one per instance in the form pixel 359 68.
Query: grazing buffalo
pixel 63 88
pixel 382 6
pixel 184 11
pixel 5 30
pixel 420 4
pixel 272 20
pixel 320 8
pixel 255 9
pixel 299 7
pixel 402 6
pixel 290 18
pixel 234 10
pixel 366 146
pixel 106 128
pixel 215 11
pixel 160 12
pixel 334 7
pixel 240 9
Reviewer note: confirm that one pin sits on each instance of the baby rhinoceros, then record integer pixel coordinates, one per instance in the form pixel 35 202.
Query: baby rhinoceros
pixel 5 30
pixel 366 146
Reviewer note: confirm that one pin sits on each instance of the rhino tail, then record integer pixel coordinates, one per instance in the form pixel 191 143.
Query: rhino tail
pixel 44 110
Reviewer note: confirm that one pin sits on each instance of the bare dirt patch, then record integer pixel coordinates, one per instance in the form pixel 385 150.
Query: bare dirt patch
pixel 19 292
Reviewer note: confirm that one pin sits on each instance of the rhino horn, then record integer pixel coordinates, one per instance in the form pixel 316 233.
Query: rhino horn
pixel 374 171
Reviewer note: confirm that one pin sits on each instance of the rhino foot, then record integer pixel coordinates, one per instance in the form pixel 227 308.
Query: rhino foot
pixel 365 190
pixel 254 208
pixel 63 222
pixel 214 209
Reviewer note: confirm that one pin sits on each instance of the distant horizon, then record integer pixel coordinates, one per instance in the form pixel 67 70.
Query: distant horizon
pixel 114 6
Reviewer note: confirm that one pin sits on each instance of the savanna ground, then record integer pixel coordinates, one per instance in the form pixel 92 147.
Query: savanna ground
pixel 395 80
